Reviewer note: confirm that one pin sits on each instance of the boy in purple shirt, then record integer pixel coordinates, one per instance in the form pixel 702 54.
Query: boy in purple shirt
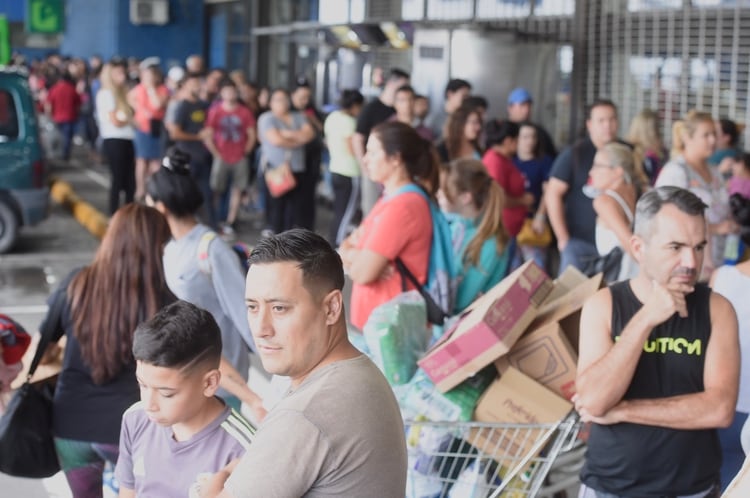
pixel 180 429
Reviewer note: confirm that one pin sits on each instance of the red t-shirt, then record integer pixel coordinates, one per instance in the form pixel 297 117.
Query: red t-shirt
pixel 398 226
pixel 65 102
pixel 504 172
pixel 144 109
pixel 230 130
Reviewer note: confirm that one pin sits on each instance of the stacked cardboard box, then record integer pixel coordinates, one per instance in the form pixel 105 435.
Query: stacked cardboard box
pixel 527 326
pixel 489 328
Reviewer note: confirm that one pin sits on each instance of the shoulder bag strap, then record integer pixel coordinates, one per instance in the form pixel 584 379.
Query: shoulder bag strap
pixel 50 326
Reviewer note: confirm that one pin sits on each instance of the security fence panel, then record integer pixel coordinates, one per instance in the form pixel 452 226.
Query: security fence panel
pixel 670 56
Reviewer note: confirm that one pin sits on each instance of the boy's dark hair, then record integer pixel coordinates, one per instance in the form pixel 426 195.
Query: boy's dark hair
pixel 321 265
pixel 225 82
pixel 476 102
pixel 600 102
pixel 497 131
pixel 173 185
pixel 397 74
pixel 744 158
pixel 729 127
pixel 181 336
pixel 740 207
pixel 406 88
pixel 350 98
pixel 455 85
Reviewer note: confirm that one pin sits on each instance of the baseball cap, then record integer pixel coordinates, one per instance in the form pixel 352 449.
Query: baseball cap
pixel 519 96
pixel 148 62
pixel 176 73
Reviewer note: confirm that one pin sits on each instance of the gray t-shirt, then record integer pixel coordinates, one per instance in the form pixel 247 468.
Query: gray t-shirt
pixel 272 155
pixel 153 463
pixel 221 293
pixel 339 433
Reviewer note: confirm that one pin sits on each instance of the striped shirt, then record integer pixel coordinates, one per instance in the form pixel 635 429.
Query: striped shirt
pixel 154 464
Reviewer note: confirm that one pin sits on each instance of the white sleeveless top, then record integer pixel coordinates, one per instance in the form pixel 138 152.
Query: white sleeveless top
pixel 606 239
pixel 733 285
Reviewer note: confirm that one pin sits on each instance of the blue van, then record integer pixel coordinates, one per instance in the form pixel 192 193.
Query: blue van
pixel 24 193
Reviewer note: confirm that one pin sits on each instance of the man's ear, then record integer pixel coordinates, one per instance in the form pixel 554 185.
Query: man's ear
pixel 333 304
pixel 638 247
pixel 211 381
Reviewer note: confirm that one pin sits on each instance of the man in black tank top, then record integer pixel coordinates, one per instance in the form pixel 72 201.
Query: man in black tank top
pixel 658 369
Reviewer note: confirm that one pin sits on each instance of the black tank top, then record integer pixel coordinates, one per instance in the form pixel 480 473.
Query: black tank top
pixel 636 460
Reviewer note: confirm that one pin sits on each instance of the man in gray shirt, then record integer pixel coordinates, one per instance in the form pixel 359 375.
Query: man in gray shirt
pixel 338 431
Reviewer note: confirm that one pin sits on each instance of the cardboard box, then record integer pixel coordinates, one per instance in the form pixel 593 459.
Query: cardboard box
pixel 546 356
pixel 515 398
pixel 563 304
pixel 492 325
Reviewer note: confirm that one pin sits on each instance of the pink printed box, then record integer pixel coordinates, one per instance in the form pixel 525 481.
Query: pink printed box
pixel 488 329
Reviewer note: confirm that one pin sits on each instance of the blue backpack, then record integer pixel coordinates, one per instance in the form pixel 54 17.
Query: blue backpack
pixel 439 292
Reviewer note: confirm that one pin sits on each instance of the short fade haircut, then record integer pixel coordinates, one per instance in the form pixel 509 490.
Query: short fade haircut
pixel 477 102
pixel 600 102
pixel 652 201
pixel 180 336
pixel 456 84
pixel 350 98
pixel 397 74
pixel 320 264
pixel 406 88
pixel 225 82
pixel 497 131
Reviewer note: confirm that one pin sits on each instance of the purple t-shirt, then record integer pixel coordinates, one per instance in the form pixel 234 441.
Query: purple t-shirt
pixel 153 463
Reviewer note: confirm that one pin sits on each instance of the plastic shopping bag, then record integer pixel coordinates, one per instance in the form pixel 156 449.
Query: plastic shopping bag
pixel 397 336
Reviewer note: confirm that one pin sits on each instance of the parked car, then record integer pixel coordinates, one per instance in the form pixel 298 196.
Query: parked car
pixel 24 193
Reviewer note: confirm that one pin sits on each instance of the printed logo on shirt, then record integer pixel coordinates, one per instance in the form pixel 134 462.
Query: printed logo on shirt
pixel 198 116
pixel 676 345
pixel 230 128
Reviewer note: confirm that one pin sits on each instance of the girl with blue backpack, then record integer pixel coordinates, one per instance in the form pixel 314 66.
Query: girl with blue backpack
pixel 482 249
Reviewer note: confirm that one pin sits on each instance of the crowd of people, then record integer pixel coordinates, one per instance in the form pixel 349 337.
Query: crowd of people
pixel 197 145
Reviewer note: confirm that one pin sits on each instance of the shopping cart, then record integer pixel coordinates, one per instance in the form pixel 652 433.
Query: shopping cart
pixel 491 460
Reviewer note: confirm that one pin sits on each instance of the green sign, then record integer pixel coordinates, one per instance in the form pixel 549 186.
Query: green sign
pixel 4 40
pixel 45 16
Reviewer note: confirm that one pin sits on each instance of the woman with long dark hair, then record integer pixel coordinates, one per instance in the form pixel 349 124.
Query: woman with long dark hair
pixel 400 223
pixel 104 302
pixel 462 132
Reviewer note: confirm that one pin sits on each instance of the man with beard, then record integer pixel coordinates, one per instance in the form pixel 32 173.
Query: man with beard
pixel 658 370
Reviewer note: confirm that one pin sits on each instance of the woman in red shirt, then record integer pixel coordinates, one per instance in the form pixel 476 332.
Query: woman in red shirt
pixel 63 104
pixel 502 141
pixel 400 223
pixel 149 100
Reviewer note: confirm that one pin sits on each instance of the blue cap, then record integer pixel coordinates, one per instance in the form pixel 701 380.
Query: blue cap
pixel 519 96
